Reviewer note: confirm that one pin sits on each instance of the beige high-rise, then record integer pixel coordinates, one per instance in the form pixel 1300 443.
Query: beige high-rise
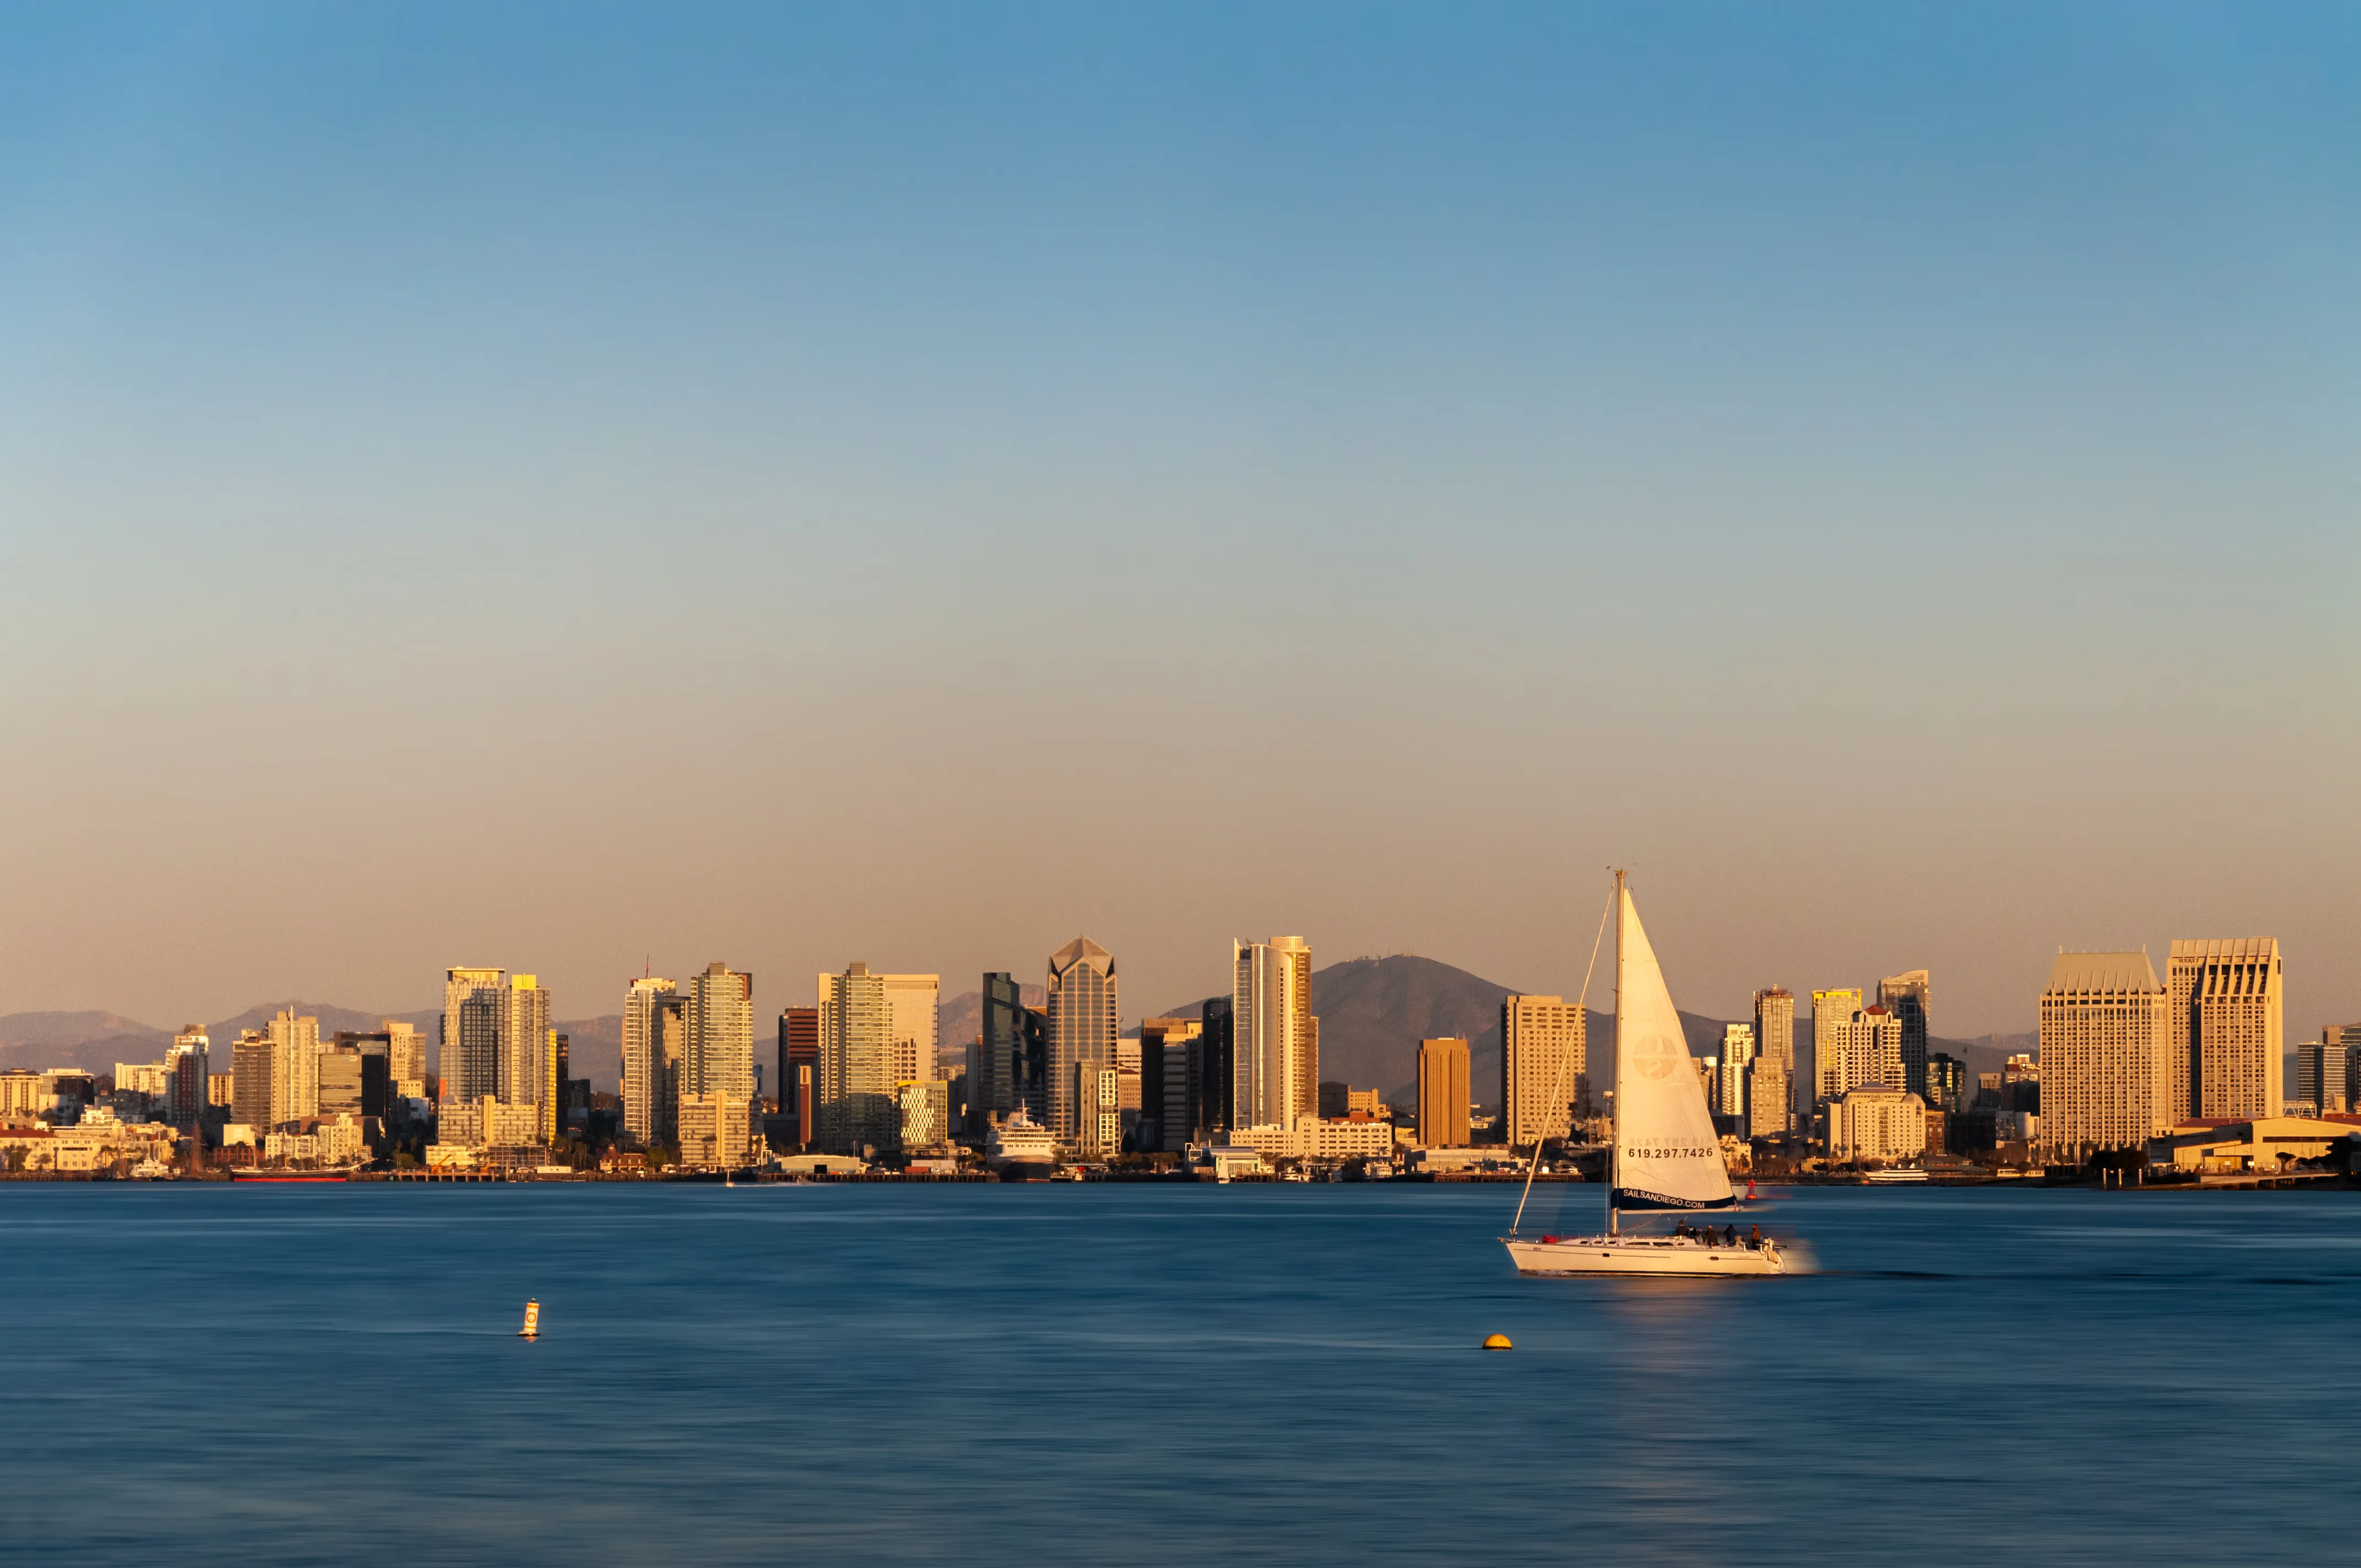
pixel 524 1035
pixel 1775 1041
pixel 1276 1044
pixel 294 1066
pixel 1832 1012
pixel 1543 1050
pixel 473 1008
pixel 2229 1027
pixel 653 1011
pixel 912 1002
pixel 1083 1021
pixel 1443 1093
pixel 2106 1041
pixel 858 1103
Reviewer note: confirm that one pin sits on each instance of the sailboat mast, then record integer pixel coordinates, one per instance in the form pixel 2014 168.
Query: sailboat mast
pixel 1615 1134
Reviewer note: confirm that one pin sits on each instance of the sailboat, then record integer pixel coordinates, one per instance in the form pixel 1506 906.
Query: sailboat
pixel 1666 1157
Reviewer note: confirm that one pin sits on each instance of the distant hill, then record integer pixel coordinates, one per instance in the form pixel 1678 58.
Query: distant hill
pixel 961 1020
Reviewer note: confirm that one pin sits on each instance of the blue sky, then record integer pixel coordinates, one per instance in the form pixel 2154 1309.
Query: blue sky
pixel 557 486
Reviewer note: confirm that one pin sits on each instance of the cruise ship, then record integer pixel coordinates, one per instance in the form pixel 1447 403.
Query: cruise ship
pixel 1021 1149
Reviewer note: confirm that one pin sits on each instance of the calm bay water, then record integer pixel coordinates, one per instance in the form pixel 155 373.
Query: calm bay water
pixel 1106 1373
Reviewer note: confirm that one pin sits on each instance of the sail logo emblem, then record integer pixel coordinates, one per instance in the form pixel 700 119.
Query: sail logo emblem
pixel 1655 1056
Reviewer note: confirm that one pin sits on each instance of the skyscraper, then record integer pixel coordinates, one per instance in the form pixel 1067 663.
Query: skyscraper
pixel 473 1008
pixel 294 1065
pixel 799 1072
pixel 1766 1097
pixel 1170 1079
pixel 1904 996
pixel 1083 1025
pixel 653 1026
pixel 2106 1040
pixel 1274 1051
pixel 997 1073
pixel 858 1105
pixel 1947 1083
pixel 186 1069
pixel 254 1081
pixel 1543 1053
pixel 719 1055
pixel 524 1042
pixel 913 1004
pixel 1774 1039
pixel 1217 1066
pixel 405 1058
pixel 2228 1026
pixel 1832 1013
pixel 1731 1080
pixel 1443 1108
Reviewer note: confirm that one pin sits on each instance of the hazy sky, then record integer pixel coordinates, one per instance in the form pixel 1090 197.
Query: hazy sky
pixel 567 487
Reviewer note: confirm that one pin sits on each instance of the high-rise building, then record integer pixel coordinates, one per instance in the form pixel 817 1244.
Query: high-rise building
pixel 255 1080
pixel 653 1023
pixel 524 1042
pixel 473 1008
pixel 799 1072
pixel 295 1061
pixel 1082 1027
pixel 1832 1013
pixel 1766 1097
pixel 996 1070
pixel 1274 1051
pixel 719 1057
pixel 912 1002
pixel 2106 1042
pixel 1171 1081
pixel 857 1107
pixel 352 1080
pixel 187 1068
pixel 1904 996
pixel 2320 1075
pixel 1947 1083
pixel 556 1058
pixel 1543 1055
pixel 1870 1052
pixel 1217 1076
pixel 2228 1026
pixel 1731 1081
pixel 1774 1038
pixel 405 1058
pixel 1443 1107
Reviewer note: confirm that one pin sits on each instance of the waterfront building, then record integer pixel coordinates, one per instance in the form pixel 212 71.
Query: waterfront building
pixel 405 1058
pixel 1876 1123
pixel 2320 1072
pixel 1731 1078
pixel 1766 1097
pixel 925 1112
pixel 1832 1016
pixel 913 1010
pixel 1097 1112
pixel 487 1123
pixel 187 1070
pixel 473 1008
pixel 1274 1048
pixel 798 1068
pixel 295 1062
pixel 1169 1082
pixel 1947 1083
pixel 1544 1056
pixel 1905 995
pixel 1082 1027
pixel 856 1107
pixel 1774 1033
pixel 653 1023
pixel 719 1131
pixel 2228 1026
pixel 997 1073
pixel 524 1042
pixel 2107 1079
pixel 1442 1106
pixel 254 1099
pixel 1217 1065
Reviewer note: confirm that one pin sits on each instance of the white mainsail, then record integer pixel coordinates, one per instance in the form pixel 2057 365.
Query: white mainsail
pixel 1667 1155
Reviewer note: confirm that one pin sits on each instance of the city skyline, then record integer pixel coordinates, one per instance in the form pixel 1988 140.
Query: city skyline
pixel 1507 375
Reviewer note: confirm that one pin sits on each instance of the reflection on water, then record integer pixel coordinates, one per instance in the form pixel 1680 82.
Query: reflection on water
pixel 1258 1375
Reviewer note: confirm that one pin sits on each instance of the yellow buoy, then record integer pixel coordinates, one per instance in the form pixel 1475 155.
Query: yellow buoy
pixel 1496 1341
pixel 531 1328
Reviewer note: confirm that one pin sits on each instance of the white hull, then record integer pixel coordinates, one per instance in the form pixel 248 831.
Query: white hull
pixel 1670 1255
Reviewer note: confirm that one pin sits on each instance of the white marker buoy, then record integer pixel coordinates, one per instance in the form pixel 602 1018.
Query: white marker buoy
pixel 531 1328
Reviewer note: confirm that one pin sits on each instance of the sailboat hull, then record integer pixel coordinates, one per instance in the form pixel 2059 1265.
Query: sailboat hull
pixel 1674 1256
